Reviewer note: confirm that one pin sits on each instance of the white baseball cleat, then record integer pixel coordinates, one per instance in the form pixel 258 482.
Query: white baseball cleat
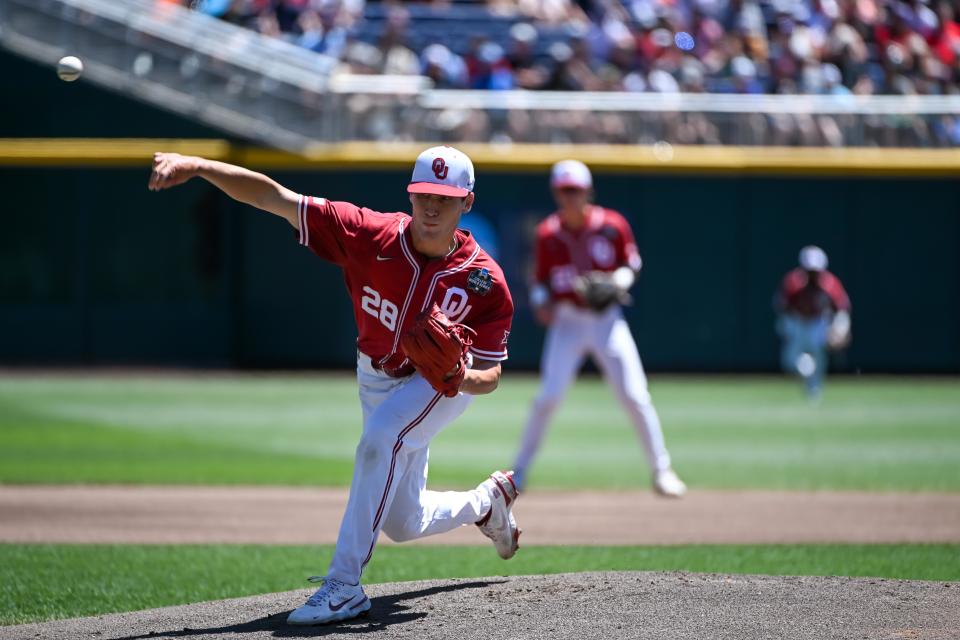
pixel 333 601
pixel 667 483
pixel 806 365
pixel 499 524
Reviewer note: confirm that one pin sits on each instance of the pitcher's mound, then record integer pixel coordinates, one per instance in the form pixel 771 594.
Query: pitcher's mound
pixel 582 606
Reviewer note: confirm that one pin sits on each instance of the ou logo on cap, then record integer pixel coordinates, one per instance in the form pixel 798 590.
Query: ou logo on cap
pixel 442 171
pixel 440 168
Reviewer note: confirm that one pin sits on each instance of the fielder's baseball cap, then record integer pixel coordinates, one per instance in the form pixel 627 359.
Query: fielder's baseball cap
pixel 571 173
pixel 813 258
pixel 443 171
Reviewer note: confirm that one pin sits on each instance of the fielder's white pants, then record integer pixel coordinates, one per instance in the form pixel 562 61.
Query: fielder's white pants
pixel 804 335
pixel 389 489
pixel 573 334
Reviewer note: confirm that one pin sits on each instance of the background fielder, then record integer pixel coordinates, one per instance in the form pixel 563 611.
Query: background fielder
pixel 395 265
pixel 814 317
pixel 586 255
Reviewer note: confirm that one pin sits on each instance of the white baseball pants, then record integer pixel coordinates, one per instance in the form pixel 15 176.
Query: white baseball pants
pixel 804 336
pixel 574 334
pixel 389 488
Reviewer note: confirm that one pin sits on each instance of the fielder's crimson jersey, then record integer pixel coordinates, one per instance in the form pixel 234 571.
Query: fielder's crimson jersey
pixel 604 243
pixel 827 296
pixel 390 282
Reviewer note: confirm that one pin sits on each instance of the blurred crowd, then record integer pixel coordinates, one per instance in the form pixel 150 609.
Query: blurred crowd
pixel 738 46
pixel 827 47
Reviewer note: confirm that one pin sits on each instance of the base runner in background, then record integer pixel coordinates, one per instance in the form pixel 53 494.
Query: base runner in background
pixel 396 266
pixel 813 318
pixel 586 261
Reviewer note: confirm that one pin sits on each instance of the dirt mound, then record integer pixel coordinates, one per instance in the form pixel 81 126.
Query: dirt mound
pixel 583 606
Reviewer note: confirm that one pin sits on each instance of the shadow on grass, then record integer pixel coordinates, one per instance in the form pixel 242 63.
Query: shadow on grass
pixel 384 612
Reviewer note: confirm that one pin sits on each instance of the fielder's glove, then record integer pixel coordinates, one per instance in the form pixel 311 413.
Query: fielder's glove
pixel 838 333
pixel 437 348
pixel 598 290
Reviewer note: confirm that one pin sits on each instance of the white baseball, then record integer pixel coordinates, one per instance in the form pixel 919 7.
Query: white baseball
pixel 69 68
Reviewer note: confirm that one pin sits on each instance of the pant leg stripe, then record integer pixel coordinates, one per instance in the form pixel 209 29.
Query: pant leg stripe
pixel 396 449
pixel 393 463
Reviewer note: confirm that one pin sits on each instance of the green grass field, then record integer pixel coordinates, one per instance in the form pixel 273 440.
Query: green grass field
pixel 873 434
pixel 868 434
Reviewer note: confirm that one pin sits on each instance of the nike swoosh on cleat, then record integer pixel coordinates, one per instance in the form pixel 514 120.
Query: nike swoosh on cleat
pixel 337 607
pixel 359 603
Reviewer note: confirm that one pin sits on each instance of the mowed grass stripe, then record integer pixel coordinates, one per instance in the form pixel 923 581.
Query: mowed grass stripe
pixel 44 582
pixel 879 434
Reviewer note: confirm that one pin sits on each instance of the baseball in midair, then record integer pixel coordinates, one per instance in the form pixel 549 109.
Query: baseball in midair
pixel 69 68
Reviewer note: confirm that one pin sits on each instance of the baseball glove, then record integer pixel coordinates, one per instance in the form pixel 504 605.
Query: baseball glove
pixel 598 290
pixel 838 339
pixel 838 333
pixel 438 350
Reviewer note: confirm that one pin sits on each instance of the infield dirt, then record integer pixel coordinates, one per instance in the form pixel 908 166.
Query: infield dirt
pixel 584 606
pixel 279 515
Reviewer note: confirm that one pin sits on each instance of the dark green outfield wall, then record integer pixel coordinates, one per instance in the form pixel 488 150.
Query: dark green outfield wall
pixel 96 269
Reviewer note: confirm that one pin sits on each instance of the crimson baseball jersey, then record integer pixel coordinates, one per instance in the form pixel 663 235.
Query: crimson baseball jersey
pixel 604 243
pixel 798 295
pixel 390 282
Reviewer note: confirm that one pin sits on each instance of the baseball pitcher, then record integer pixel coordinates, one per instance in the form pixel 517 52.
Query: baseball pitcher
pixel 586 261
pixel 433 313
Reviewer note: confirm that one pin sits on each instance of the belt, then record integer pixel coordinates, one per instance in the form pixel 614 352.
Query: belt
pixel 394 372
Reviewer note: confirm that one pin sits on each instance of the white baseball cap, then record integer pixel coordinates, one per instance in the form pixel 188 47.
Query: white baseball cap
pixel 813 258
pixel 570 173
pixel 443 171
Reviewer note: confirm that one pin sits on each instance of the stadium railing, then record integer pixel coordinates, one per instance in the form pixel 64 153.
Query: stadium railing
pixel 184 61
pixel 270 91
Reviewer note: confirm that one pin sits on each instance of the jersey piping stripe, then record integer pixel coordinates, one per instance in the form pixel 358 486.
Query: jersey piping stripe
pixel 447 272
pixel 393 463
pixel 302 221
pixel 396 449
pixel 303 207
pixel 579 254
pixel 496 355
pixel 440 274
pixel 410 290
pixel 595 217
pixel 574 248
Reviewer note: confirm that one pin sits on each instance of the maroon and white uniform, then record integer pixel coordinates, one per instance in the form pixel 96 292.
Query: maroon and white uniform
pixel 390 283
pixel 811 304
pixel 604 243
pixel 799 297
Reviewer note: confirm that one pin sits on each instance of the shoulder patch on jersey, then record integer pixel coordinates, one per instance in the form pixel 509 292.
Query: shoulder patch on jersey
pixel 480 280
